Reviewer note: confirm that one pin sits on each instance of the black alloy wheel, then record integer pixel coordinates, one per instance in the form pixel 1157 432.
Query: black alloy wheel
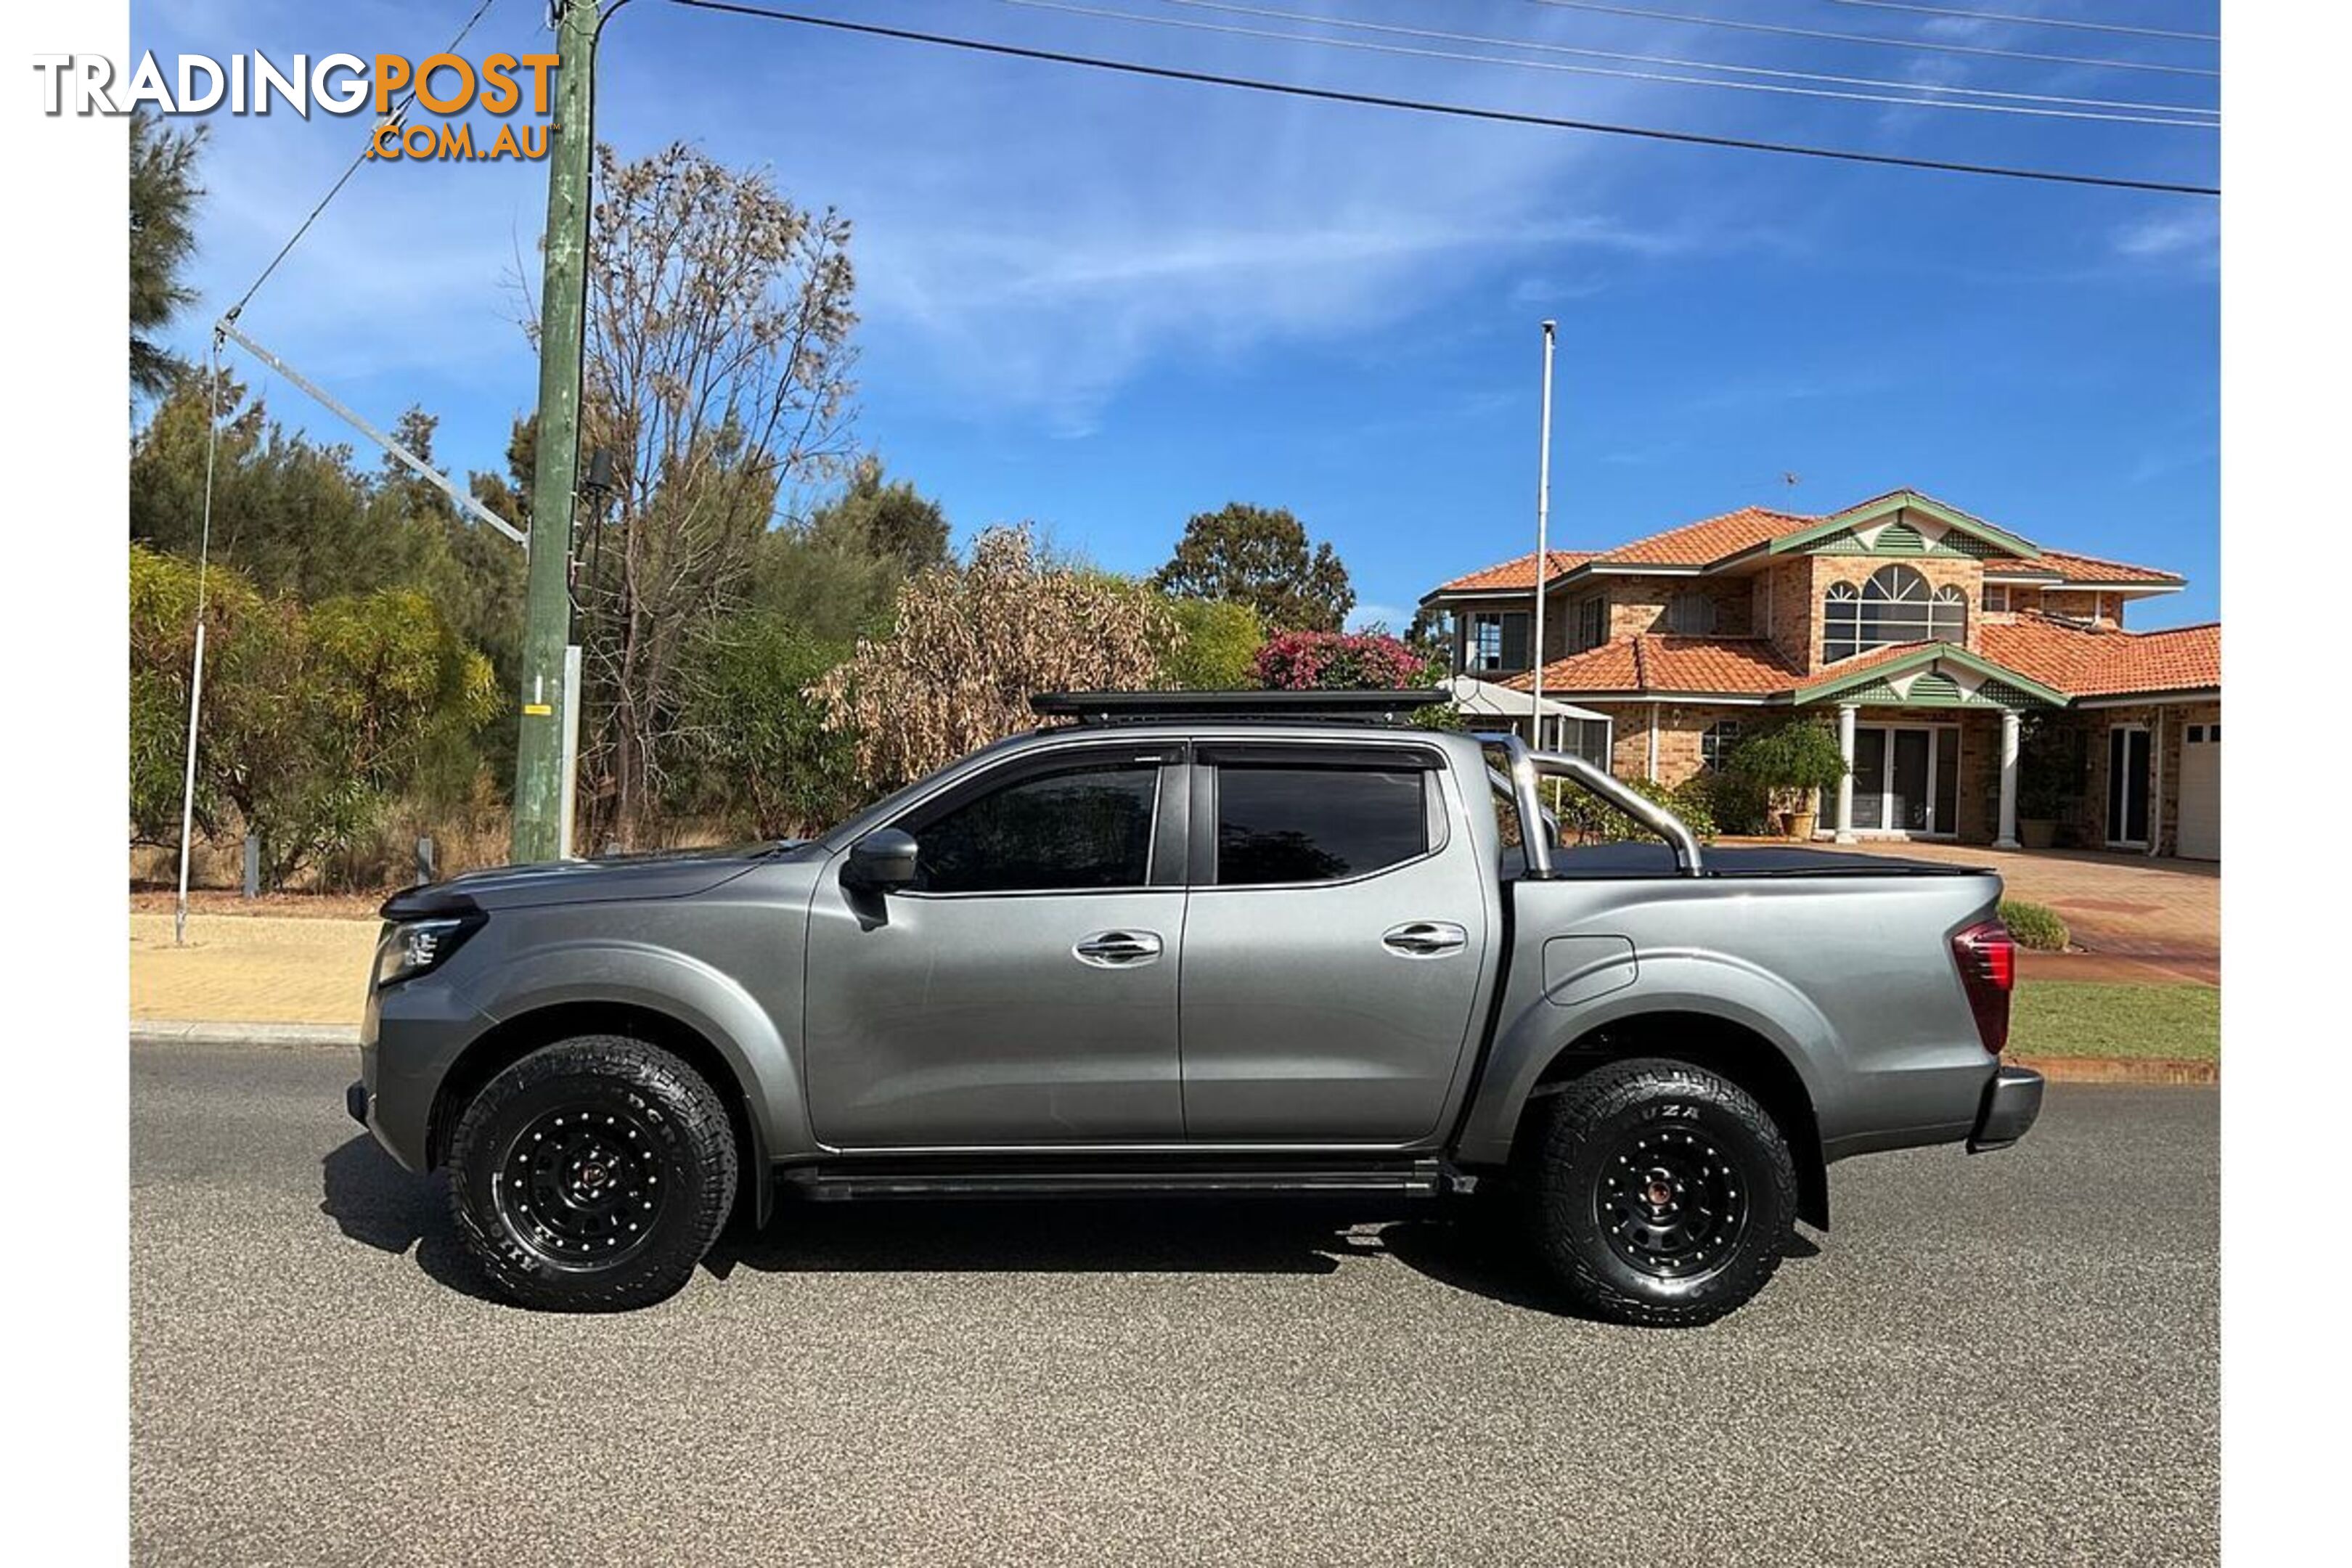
pixel 582 1184
pixel 1670 1202
pixel 1658 1192
pixel 593 1175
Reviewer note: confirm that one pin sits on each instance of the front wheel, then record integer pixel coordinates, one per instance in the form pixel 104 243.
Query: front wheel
pixel 1662 1194
pixel 593 1174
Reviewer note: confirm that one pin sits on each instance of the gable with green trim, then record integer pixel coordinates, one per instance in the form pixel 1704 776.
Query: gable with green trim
pixel 1934 688
pixel 1900 539
pixel 1941 675
pixel 1925 518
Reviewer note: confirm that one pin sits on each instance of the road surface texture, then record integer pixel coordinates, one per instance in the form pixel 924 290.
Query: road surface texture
pixel 2009 1359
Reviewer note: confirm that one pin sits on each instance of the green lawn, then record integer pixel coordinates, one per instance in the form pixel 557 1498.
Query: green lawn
pixel 2094 1018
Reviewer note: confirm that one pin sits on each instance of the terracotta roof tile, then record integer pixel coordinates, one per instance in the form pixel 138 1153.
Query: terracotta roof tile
pixel 2182 660
pixel 2080 660
pixel 2101 661
pixel 1890 654
pixel 1707 541
pixel 1518 573
pixel 2082 568
pixel 1652 663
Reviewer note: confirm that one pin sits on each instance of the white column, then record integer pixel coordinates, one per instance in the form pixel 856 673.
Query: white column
pixel 1847 711
pixel 1652 773
pixel 2156 789
pixel 2007 838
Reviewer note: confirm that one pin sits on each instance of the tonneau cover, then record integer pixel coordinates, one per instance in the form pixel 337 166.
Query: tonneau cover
pixel 1595 862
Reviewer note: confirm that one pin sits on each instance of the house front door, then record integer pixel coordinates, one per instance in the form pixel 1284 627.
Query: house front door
pixel 1906 779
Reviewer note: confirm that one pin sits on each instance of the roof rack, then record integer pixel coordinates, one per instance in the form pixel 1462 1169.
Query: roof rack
pixel 1115 706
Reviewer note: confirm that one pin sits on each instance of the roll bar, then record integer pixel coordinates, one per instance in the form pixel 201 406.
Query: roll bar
pixel 1526 766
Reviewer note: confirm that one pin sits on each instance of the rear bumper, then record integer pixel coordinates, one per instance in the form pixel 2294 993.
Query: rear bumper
pixel 2011 1100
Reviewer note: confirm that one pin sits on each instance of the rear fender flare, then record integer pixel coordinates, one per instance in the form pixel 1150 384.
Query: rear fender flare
pixel 1707 984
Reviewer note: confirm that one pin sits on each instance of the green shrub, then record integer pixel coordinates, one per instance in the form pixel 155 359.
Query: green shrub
pixel 1787 761
pixel 1737 804
pixel 1586 818
pixel 1210 645
pixel 2036 926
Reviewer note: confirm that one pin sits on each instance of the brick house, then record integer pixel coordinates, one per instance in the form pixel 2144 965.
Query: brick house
pixel 1932 639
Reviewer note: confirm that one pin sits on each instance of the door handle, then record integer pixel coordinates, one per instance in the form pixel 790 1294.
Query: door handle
pixel 1117 949
pixel 1424 939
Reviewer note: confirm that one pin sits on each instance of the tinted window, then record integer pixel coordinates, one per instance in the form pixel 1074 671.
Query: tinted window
pixel 1316 824
pixel 1084 828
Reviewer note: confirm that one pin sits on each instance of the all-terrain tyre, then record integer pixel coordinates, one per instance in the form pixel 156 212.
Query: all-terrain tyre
pixel 1658 1194
pixel 593 1174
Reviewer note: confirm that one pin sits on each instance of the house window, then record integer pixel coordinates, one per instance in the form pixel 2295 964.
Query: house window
pixel 1716 742
pixel 1995 598
pixel 1896 605
pixel 1499 640
pixel 1591 621
pixel 1690 615
pixel 1588 738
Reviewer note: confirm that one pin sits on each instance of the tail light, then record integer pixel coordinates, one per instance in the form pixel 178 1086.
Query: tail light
pixel 1987 956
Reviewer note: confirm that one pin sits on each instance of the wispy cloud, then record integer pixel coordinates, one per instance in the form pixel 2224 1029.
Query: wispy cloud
pixel 2193 236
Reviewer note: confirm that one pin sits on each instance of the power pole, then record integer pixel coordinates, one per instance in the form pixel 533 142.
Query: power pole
pixel 538 826
pixel 1543 545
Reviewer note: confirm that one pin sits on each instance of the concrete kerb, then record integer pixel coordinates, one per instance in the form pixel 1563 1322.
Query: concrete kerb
pixel 188 1032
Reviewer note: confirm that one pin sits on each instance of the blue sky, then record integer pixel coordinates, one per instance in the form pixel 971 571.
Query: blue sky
pixel 1104 303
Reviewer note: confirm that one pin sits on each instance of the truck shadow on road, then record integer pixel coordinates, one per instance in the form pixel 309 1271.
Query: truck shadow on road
pixel 372 1200
pixel 1456 1247
pixel 1469 1247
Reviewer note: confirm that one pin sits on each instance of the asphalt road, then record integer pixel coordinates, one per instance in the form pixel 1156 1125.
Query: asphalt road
pixel 2009 1359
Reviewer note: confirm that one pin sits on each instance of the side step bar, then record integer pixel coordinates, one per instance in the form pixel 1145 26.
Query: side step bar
pixel 1419 1178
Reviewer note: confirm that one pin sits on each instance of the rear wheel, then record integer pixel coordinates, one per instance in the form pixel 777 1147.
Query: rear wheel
pixel 1662 1194
pixel 593 1174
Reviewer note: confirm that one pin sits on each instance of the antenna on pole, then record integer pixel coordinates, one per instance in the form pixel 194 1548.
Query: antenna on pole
pixel 1543 544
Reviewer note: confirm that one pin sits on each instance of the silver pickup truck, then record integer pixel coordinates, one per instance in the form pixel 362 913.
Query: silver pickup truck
pixel 1182 942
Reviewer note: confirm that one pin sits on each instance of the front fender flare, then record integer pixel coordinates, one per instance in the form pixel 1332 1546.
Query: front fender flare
pixel 691 993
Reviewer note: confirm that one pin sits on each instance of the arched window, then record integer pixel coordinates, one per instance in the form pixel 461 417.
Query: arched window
pixel 1690 613
pixel 1896 605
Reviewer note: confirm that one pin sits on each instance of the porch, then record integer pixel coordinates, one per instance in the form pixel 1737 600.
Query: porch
pixel 2138 778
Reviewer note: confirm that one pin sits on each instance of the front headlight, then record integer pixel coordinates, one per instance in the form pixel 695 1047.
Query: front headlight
pixel 411 948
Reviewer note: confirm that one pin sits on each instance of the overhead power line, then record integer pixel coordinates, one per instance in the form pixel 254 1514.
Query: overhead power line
pixel 2032 21
pixel 394 118
pixel 1454 110
pixel 1544 47
pixel 1879 41
pixel 1907 98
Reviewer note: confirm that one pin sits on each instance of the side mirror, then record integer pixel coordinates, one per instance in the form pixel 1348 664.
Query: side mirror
pixel 882 862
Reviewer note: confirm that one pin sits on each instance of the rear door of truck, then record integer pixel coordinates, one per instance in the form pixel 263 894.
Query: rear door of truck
pixel 1335 938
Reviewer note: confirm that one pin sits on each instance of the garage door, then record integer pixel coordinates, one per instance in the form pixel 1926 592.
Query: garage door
pixel 2201 793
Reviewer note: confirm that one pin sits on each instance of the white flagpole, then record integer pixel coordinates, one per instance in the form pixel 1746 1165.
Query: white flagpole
pixel 1543 544
pixel 197 671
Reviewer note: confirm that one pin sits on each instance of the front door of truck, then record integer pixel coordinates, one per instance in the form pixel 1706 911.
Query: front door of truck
pixel 1333 946
pixel 1022 990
